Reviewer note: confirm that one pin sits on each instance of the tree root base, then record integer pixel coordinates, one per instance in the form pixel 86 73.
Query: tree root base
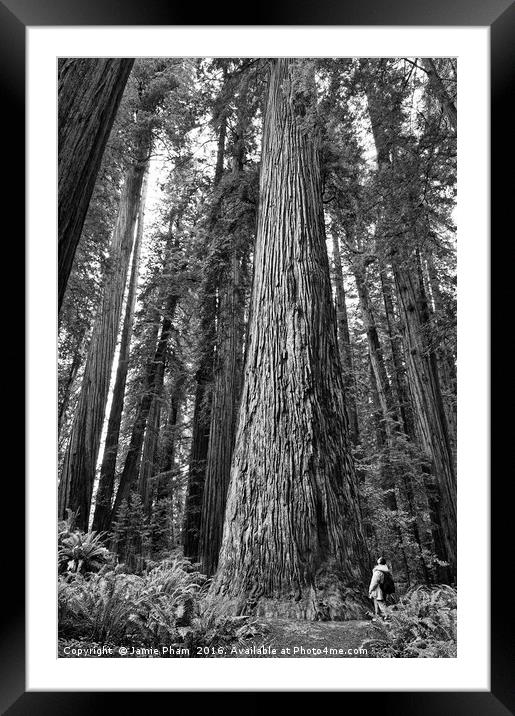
pixel 332 603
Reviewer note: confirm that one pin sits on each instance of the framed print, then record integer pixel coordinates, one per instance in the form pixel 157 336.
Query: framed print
pixel 267 437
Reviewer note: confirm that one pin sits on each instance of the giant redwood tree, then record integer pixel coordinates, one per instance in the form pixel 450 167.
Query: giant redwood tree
pixel 293 542
pixel 90 90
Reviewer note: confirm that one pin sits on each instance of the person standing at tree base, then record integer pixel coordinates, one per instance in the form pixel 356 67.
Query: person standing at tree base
pixel 381 585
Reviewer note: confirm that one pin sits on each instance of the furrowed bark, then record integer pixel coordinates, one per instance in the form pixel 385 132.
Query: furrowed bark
pixel 293 541
pixel 90 91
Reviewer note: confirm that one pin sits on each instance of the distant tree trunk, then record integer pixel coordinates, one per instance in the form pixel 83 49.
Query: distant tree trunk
pixel 165 483
pixel 446 358
pixel 441 92
pixel 105 490
pixel 153 387
pixel 163 511
pixel 388 482
pixel 204 376
pixel 201 427
pixel 90 91
pixel 293 542
pixel 148 467
pixel 344 343
pixel 70 378
pixel 384 390
pixel 226 394
pixel 78 473
pixel 422 369
pixel 399 371
pixel 427 399
pixel 227 366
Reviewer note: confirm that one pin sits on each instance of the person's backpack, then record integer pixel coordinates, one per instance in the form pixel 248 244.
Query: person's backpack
pixel 387 585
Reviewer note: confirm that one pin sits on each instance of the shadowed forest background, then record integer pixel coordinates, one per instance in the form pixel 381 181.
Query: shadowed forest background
pixel 257 351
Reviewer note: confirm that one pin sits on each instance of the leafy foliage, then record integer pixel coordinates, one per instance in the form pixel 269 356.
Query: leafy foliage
pixel 117 607
pixel 422 625
pixel 80 552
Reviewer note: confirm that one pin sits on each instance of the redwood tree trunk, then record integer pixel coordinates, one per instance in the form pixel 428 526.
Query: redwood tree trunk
pixel 153 387
pixel 399 372
pixel 165 482
pixel 105 490
pixel 149 455
pixel 344 342
pixel 70 379
pixel 384 390
pixel 78 473
pixel 293 542
pixel 227 368
pixel 226 394
pixel 204 376
pixel 427 399
pixel 90 91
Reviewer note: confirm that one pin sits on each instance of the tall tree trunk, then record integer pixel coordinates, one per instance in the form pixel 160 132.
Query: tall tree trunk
pixel 149 455
pixel 399 371
pixel 105 490
pixel 427 398
pixel 70 378
pixel 228 365
pixel 78 473
pixel 293 542
pixel 384 390
pixel 153 387
pixel 204 375
pixel 226 394
pixel 165 482
pixel 90 91
pixel 344 342
pixel 163 534
pixel 446 358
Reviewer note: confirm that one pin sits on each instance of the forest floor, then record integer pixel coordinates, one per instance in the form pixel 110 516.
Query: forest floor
pixel 304 639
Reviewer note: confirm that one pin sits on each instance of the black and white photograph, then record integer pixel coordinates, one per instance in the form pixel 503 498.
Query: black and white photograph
pixel 257 338
pixel 257 357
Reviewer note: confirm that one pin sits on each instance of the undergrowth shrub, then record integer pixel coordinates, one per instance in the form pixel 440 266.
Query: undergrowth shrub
pixel 78 551
pixel 422 624
pixel 113 606
pixel 207 633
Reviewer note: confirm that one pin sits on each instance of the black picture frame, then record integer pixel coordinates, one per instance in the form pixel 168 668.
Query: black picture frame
pixel 499 15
